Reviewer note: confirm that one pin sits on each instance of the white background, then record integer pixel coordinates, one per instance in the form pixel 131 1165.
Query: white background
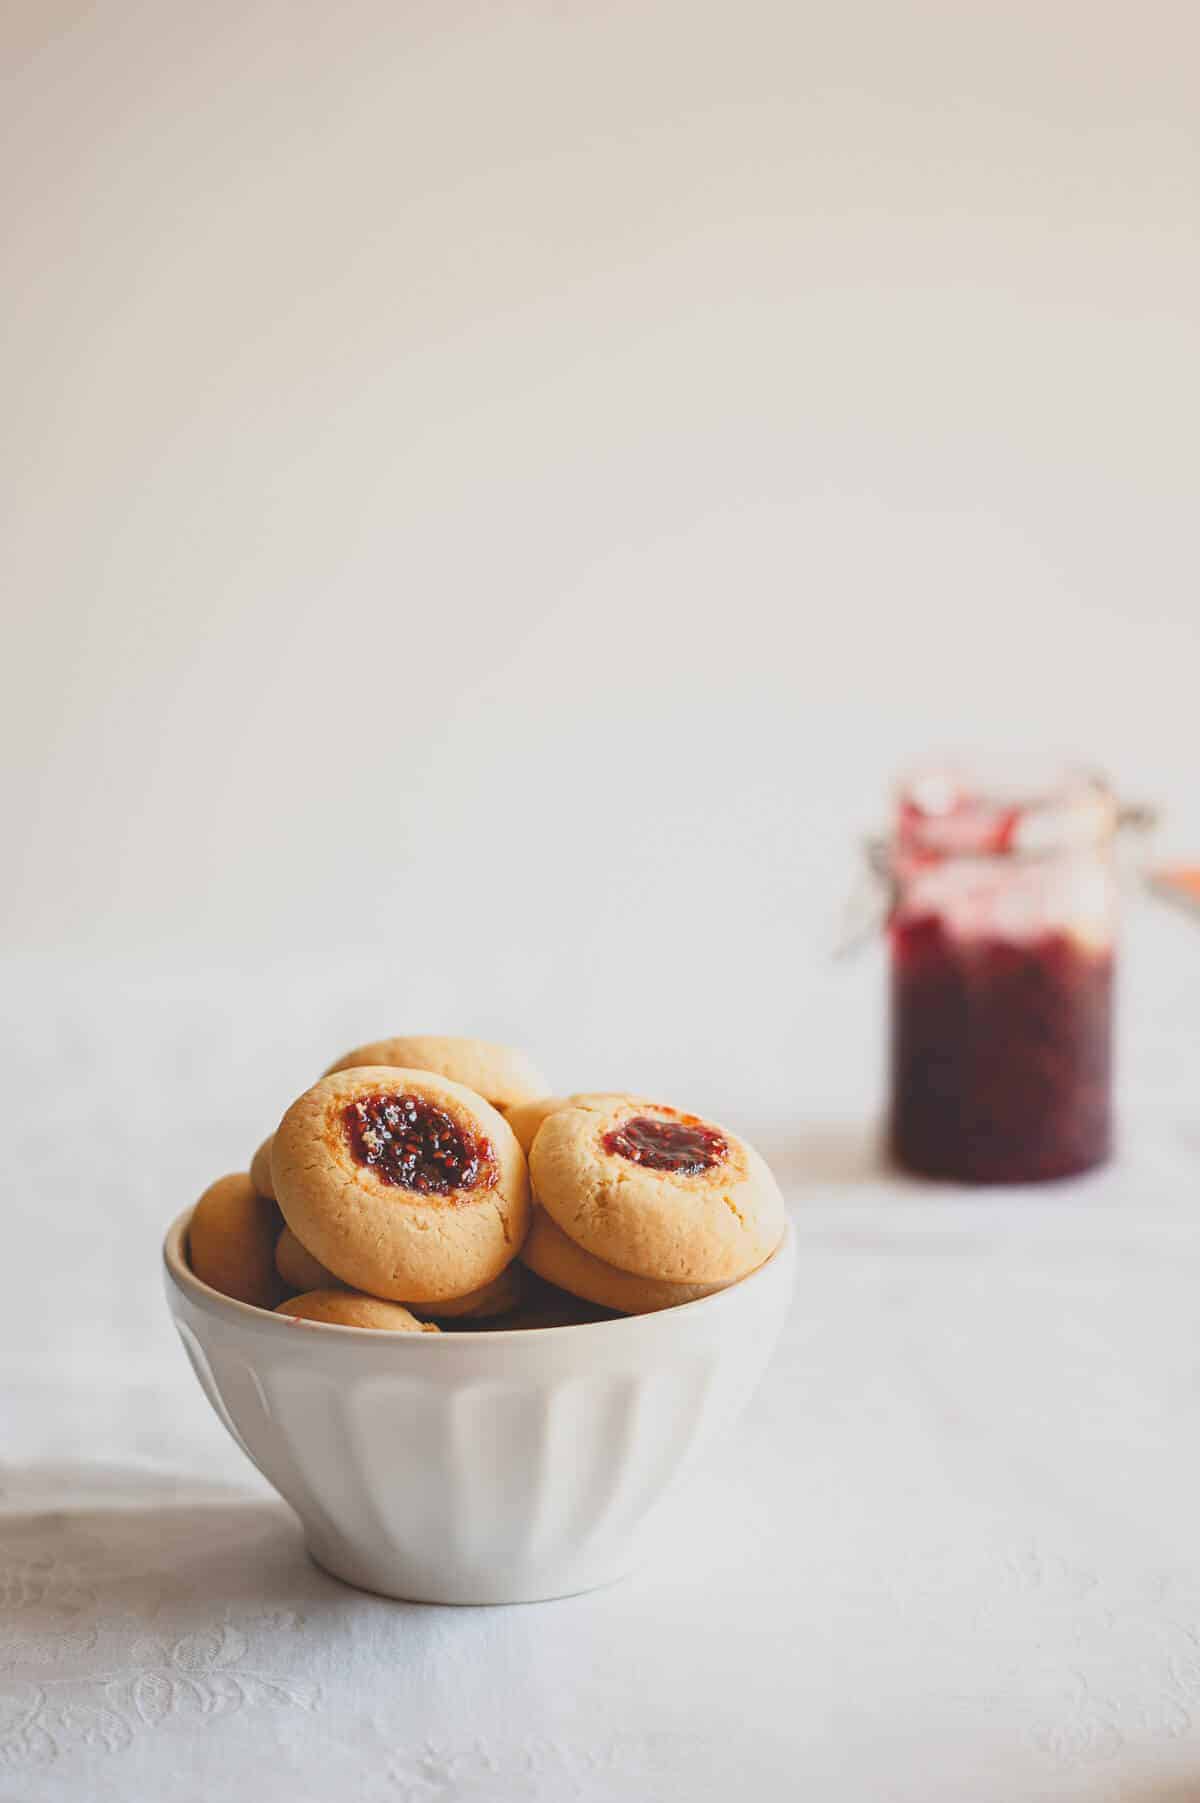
pixel 495 492
pixel 492 496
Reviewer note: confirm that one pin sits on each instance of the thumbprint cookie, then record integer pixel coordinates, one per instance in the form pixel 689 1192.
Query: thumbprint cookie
pixel 499 1073
pixel 556 1258
pixel 343 1308
pixel 657 1192
pixel 231 1241
pixel 260 1169
pixel 499 1297
pixel 297 1266
pixel 402 1183
pixel 526 1117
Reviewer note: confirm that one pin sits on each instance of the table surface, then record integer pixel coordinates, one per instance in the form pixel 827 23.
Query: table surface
pixel 951 1551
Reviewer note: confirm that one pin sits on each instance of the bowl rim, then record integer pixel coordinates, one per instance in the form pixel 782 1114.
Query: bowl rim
pixel 180 1274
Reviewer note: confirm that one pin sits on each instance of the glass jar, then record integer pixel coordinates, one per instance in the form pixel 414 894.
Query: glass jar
pixel 1001 932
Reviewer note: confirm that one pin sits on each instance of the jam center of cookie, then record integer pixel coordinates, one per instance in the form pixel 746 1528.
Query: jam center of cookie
pixel 412 1143
pixel 684 1147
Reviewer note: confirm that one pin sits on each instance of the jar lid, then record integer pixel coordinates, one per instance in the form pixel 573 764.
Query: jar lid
pixel 955 810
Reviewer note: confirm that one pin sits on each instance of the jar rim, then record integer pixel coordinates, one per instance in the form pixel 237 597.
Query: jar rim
pixel 955 809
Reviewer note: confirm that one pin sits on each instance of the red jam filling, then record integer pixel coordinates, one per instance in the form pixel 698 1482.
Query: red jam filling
pixel 412 1143
pixel 1001 1053
pixel 684 1147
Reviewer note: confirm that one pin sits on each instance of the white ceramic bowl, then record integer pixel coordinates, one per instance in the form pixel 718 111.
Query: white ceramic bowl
pixel 478 1467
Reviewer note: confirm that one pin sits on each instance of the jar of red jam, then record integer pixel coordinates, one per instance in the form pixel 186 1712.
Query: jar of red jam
pixel 1001 936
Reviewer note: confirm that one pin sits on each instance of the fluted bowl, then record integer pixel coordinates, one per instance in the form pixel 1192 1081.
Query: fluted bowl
pixel 493 1467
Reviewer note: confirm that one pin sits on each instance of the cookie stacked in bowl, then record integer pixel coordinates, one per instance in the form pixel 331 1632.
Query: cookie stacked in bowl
pixel 429 1184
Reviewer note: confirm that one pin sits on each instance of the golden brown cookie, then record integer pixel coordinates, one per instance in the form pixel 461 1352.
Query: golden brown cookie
pixel 499 1073
pixel 603 1099
pixel 557 1258
pixel 346 1308
pixel 657 1192
pixel 297 1266
pixel 300 1271
pixel 526 1117
pixel 496 1298
pixel 260 1169
pixel 231 1241
pixel 404 1184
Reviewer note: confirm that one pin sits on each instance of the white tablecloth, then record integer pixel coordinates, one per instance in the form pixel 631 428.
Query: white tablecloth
pixel 951 1553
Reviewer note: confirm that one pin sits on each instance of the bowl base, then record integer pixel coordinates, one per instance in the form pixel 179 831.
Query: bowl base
pixel 466 1595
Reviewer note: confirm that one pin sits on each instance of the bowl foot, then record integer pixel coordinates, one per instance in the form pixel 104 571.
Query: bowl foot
pixel 465 1591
